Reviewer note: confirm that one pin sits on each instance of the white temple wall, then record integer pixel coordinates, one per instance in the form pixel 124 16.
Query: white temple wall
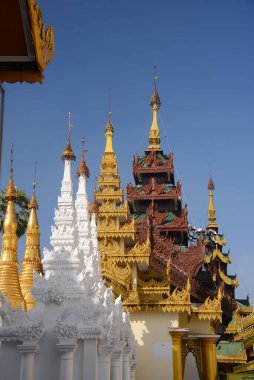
pixel 10 360
pixel 195 326
pixel 78 360
pixel 47 358
pixel 190 370
pixel 90 359
pixel 154 344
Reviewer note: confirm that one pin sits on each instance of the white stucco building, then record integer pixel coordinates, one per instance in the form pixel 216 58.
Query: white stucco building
pixel 75 332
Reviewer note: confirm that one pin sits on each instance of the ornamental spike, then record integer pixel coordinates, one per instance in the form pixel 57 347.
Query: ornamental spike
pixel 155 103
pixel 211 209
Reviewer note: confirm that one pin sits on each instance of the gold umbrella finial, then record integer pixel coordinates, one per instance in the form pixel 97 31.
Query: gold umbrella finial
pixel 11 192
pixel 155 103
pixel 109 126
pixel 83 168
pixel 211 209
pixel 68 153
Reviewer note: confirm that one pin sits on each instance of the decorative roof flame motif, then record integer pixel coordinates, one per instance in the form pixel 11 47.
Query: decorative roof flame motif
pixel 211 209
pixel 9 280
pixel 155 103
pixel 83 168
pixel 68 153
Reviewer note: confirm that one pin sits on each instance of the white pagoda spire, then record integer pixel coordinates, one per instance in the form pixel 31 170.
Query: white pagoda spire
pixel 87 232
pixel 62 261
pixel 82 213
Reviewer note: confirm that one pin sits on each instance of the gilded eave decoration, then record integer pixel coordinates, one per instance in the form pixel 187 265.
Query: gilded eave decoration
pixel 43 37
pixel 241 357
pixel 210 309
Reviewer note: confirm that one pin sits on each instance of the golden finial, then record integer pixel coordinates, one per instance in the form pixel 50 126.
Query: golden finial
pixel 155 99
pixel 211 209
pixel 33 202
pixel 9 280
pixel 109 126
pixel 83 169
pixel 68 153
pixel 11 193
pixel 155 103
pixel 109 130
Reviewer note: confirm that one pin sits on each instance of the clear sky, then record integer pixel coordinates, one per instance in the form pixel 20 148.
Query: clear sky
pixel 204 51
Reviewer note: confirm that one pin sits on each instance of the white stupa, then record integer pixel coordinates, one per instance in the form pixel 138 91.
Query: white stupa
pixel 76 330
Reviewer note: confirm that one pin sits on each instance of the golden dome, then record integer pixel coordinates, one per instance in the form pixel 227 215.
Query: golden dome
pixel 68 153
pixel 11 192
pixel 83 169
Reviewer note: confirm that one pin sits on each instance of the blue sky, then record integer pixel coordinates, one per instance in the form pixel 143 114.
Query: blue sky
pixel 205 58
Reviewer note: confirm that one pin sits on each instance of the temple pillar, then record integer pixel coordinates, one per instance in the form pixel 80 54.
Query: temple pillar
pixel 28 351
pixel 115 365
pixel 104 354
pixel 209 360
pixel 133 371
pixel 66 350
pixel 90 359
pixel 176 335
pixel 126 363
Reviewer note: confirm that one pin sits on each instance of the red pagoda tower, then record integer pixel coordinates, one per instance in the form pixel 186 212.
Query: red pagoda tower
pixel 155 202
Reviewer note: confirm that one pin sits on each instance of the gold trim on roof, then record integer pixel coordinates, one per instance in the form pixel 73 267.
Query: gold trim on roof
pixel 43 38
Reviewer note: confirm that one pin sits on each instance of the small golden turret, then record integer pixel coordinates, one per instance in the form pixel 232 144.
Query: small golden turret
pixel 68 153
pixel 9 279
pixel 83 169
pixel 211 209
pixel 32 257
pixel 109 133
pixel 154 134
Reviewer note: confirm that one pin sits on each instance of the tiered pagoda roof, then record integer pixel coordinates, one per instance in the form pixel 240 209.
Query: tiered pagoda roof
pixel 147 253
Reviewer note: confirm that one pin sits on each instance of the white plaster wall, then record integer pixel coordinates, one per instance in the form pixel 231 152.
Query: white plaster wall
pixel 191 370
pixel 78 361
pixel 154 344
pixel 47 359
pixel 10 360
pixel 195 326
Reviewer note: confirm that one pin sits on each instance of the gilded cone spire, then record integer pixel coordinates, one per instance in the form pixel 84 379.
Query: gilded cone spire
pixel 155 103
pixel 109 133
pixel 83 169
pixel 9 280
pixel 68 153
pixel 211 209
pixel 32 257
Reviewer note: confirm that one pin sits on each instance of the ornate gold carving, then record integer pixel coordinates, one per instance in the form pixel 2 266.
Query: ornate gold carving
pixel 228 280
pixel 210 309
pixel 217 253
pixel 9 280
pixel 192 346
pixel 43 38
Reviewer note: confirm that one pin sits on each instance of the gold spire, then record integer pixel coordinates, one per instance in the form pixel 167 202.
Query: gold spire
pixel 211 210
pixel 9 280
pixel 83 169
pixel 68 153
pixel 109 130
pixel 32 256
pixel 155 103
